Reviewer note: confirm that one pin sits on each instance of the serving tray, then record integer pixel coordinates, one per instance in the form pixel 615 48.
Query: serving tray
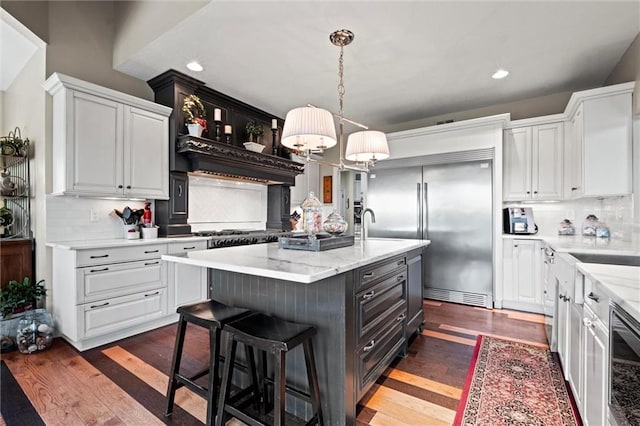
pixel 320 243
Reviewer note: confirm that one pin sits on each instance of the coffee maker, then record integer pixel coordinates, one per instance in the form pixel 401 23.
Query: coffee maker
pixel 518 220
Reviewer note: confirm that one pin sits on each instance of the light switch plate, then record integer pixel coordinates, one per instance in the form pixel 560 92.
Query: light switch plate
pixel 93 216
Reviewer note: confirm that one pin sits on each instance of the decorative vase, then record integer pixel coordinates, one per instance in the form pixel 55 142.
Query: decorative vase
pixel 195 129
pixel 35 331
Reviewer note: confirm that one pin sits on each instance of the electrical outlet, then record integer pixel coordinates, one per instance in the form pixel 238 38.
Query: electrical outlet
pixel 93 216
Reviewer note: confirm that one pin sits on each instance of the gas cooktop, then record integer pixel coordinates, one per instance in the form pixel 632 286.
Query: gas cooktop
pixel 239 237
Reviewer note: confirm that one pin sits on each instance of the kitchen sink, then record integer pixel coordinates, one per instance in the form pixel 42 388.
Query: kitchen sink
pixel 611 259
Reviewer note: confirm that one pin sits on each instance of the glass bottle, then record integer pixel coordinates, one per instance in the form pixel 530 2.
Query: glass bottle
pixel 35 331
pixel 312 214
pixel 335 224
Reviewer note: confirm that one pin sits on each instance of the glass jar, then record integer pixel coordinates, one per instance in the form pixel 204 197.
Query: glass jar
pixel 35 331
pixel 335 224
pixel 312 214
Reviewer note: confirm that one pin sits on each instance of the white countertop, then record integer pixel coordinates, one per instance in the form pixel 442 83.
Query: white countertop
pixel 118 242
pixel 581 244
pixel 620 283
pixel 267 260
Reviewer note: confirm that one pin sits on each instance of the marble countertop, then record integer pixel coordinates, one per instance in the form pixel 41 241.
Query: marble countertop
pixel 620 283
pixel 118 242
pixel 268 260
pixel 581 244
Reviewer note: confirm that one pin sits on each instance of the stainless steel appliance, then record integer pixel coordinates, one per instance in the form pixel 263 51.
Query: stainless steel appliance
pixel 518 220
pixel 448 200
pixel 624 367
pixel 239 237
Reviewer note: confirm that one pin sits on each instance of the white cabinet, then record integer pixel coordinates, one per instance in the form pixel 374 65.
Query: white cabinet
pixel 186 283
pixel 107 143
pixel 533 162
pixel 600 137
pixel 101 295
pixel 575 355
pixel 523 275
pixel 596 350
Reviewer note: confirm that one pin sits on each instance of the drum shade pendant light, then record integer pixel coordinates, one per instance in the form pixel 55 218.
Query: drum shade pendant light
pixel 311 129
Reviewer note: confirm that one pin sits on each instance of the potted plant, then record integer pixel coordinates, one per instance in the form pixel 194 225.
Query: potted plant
pixel 194 113
pixel 20 296
pixel 254 130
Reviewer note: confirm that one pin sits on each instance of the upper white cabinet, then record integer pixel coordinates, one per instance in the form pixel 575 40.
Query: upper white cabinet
pixel 107 143
pixel 600 132
pixel 533 162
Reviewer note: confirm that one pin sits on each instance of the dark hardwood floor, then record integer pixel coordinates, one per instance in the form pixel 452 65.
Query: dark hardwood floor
pixel 125 382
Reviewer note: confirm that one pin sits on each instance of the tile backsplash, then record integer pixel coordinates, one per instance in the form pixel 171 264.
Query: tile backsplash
pixel 216 204
pixel 616 212
pixel 69 218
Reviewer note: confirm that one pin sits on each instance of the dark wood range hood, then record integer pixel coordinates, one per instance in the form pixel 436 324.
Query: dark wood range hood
pixel 228 161
pixel 210 155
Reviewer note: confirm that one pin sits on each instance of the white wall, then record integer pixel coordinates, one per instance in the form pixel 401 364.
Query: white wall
pixel 24 107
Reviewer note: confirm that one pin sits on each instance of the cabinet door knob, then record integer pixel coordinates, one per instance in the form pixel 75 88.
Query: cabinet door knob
pixel 368 276
pixel 99 270
pixel 99 306
pixel 401 317
pixel 179 190
pixel 119 186
pixel 594 297
pixel 188 248
pixel 575 188
pixel 400 278
pixel 128 186
pixel 152 294
pixel 528 192
pixel 535 192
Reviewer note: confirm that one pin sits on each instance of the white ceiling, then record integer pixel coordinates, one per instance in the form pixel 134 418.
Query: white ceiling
pixel 409 60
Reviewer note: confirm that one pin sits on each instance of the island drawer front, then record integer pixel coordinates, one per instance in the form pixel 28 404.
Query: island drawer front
pixel 369 275
pixel 377 355
pixel 112 315
pixel 380 304
pixel 183 247
pixel 105 281
pixel 120 254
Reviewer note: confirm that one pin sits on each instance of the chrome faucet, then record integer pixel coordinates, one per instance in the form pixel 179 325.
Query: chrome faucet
pixel 373 220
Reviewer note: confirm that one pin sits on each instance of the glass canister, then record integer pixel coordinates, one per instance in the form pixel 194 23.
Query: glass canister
pixel 312 214
pixel 335 224
pixel 35 331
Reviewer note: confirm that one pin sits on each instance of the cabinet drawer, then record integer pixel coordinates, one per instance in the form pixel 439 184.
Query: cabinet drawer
pixel 120 254
pixel 378 353
pixel 377 305
pixel 182 247
pixel 371 274
pixel 105 281
pixel 98 318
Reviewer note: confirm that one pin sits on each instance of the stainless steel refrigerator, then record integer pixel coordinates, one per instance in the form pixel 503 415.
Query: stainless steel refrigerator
pixel 449 204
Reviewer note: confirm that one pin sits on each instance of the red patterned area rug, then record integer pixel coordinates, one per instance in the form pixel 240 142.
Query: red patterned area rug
pixel 511 383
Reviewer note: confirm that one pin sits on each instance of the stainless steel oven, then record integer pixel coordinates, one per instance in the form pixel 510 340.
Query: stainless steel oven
pixel 624 367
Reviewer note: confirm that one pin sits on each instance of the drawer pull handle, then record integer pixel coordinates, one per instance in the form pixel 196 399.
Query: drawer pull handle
pixel 593 297
pixel 99 270
pixel 369 346
pixel 98 257
pixel 368 276
pixel 401 317
pixel 152 294
pixel 99 306
pixel 400 262
pixel 188 248
pixel 369 295
pixel 400 278
pixel 150 251
pixel 151 263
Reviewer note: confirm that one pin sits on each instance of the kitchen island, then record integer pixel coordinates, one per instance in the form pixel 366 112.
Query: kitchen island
pixel 365 301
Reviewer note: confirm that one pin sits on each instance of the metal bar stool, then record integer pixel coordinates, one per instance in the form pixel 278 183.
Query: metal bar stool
pixel 277 337
pixel 213 316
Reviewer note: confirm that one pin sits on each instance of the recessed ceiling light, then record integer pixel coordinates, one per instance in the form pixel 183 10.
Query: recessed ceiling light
pixel 194 66
pixel 500 74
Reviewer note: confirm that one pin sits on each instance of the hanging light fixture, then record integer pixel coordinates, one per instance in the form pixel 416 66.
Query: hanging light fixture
pixel 310 128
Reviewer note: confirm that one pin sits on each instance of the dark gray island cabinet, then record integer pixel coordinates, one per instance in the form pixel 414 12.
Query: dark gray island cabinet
pixel 365 301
